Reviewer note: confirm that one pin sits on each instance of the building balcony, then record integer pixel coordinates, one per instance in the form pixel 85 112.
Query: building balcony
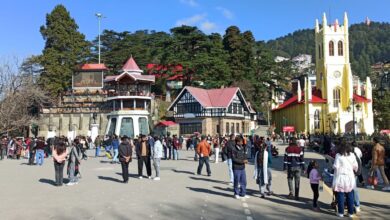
pixel 129 95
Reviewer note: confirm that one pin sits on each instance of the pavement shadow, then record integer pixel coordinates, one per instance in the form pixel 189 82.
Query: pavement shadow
pixel 207 180
pixel 105 161
pixel 182 171
pixel 207 191
pixel 110 179
pixel 47 181
pixel 131 175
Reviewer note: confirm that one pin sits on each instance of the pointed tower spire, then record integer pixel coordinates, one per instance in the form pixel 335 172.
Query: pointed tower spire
pixel 324 21
pixel 317 28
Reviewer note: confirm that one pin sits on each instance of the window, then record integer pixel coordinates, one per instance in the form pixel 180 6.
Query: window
pixel 192 107
pixel 336 98
pixel 340 48
pixel 232 130
pixel 127 104
pixel 317 119
pixel 319 51
pixel 127 127
pixel 331 48
pixel 190 128
pixel 230 109
pixel 111 130
pixel 143 126
pixel 238 127
pixel 227 128
pixel 140 104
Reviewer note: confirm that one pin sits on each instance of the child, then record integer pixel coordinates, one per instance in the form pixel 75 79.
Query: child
pixel 314 182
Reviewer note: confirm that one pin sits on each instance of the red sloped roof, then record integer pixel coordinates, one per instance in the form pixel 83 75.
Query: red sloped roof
pixel 130 65
pixel 213 97
pixel 136 77
pixel 360 99
pixel 294 100
pixel 166 123
pixel 93 66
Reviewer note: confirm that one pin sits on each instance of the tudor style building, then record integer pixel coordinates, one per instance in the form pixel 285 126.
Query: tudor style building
pixel 213 111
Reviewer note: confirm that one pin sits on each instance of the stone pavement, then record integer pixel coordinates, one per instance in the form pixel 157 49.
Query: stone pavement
pixel 28 192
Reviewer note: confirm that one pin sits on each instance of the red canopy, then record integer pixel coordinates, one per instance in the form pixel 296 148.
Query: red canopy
pixel 166 123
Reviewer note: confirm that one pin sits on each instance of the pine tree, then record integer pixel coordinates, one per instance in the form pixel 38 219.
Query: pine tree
pixel 65 47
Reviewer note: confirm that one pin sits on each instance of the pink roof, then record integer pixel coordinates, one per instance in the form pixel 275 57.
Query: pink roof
pixel 213 97
pixel 360 99
pixel 315 98
pixel 130 65
pixel 93 66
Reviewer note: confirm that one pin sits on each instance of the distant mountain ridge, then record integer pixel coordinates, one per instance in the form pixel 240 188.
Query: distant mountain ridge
pixel 369 44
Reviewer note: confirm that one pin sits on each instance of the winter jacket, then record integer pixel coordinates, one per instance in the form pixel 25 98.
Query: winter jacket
pixel 203 148
pixel 293 157
pixel 125 151
pixel 238 155
pixel 157 150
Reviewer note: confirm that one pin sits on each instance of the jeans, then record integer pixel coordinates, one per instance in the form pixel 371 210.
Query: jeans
pixel 294 173
pixel 97 151
pixel 170 149
pixel 40 155
pixel 239 178
pixel 32 157
pixel 382 171
pixel 59 172
pixel 230 167
pixel 165 152
pixel 72 171
pixel 2 153
pixel 314 188
pixel 141 161
pixel 175 154
pixel 203 160
pixel 340 202
pixel 156 164
pixel 115 158
pixel 125 171
pixel 356 194
pixel 196 155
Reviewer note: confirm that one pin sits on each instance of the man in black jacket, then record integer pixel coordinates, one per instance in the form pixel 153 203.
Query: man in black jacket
pixel 143 151
pixel 239 159
pixel 125 153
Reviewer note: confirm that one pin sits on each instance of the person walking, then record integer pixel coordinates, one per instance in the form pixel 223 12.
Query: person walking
pixel 344 177
pixel 315 178
pixel 143 151
pixel 230 144
pixel 59 158
pixel 195 142
pixel 98 144
pixel 261 168
pixel 294 163
pixel 115 147
pixel 3 147
pixel 239 158
pixel 40 152
pixel 216 143
pixel 157 154
pixel 378 162
pixel 75 156
pixel 203 149
pixel 125 153
pixel 32 151
pixel 176 147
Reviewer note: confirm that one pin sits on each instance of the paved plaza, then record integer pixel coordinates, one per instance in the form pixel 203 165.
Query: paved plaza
pixel 28 192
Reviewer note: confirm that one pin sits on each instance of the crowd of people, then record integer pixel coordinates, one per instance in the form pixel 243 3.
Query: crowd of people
pixel 235 151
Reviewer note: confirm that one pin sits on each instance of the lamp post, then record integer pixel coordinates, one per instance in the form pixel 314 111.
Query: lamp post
pixel 353 116
pixel 99 17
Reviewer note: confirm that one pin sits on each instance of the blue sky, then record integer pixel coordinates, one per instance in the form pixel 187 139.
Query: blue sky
pixel 20 19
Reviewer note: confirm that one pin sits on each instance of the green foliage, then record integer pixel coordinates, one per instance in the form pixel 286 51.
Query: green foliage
pixel 382 110
pixel 65 47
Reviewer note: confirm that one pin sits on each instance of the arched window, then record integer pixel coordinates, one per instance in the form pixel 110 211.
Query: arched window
pixel 336 98
pixel 340 48
pixel 331 48
pixel 317 119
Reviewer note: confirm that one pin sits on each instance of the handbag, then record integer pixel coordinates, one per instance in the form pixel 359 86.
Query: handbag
pixel 372 180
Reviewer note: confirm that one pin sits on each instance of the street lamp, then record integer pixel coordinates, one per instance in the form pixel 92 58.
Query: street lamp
pixel 353 116
pixel 99 17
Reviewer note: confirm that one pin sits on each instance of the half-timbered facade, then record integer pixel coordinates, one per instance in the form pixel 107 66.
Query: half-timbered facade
pixel 214 111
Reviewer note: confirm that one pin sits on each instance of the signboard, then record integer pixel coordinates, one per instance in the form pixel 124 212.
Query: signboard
pixel 87 79
pixel 288 129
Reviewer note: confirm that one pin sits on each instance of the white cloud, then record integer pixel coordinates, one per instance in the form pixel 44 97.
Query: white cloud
pixel 226 12
pixel 191 3
pixel 191 20
pixel 208 26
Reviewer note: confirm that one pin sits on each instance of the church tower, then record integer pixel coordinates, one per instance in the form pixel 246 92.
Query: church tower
pixel 334 76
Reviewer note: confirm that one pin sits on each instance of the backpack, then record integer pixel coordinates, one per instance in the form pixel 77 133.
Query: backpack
pixel 359 170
